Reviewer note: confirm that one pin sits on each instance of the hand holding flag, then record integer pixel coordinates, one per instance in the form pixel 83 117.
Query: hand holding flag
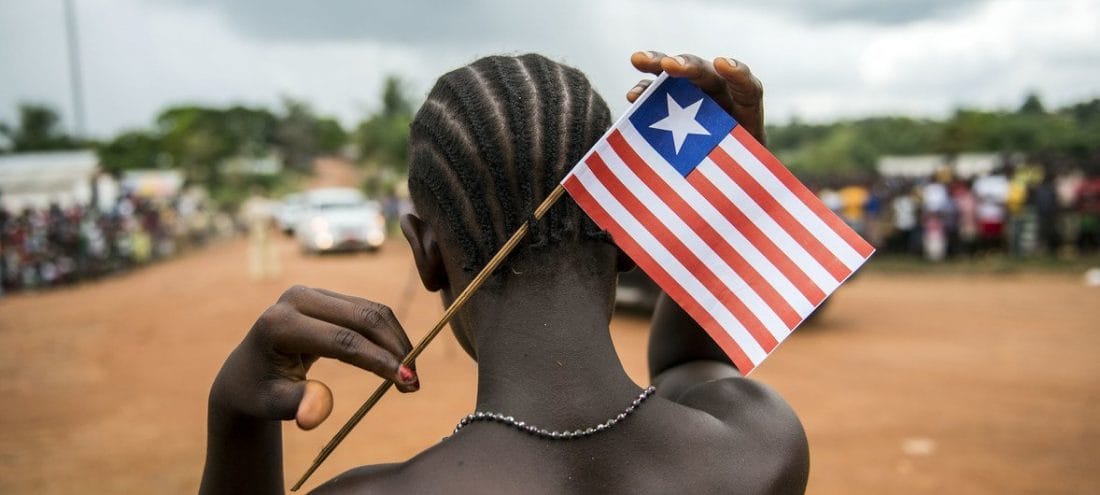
pixel 728 82
pixel 711 216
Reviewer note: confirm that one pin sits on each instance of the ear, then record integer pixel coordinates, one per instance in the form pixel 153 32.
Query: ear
pixel 623 263
pixel 425 250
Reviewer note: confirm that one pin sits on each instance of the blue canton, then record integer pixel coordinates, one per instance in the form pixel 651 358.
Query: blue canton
pixel 685 145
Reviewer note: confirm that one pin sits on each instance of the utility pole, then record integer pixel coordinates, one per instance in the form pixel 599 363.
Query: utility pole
pixel 75 82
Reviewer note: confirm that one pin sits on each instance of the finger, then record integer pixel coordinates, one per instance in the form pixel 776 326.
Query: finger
pixel 315 406
pixel 693 68
pixel 700 73
pixel 379 311
pixel 647 61
pixel 396 339
pixel 638 89
pixel 301 334
pixel 281 398
pixel 746 93
pixel 743 86
pixel 372 320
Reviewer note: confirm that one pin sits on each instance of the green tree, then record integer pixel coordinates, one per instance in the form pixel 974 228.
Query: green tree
pixel 1085 113
pixel 38 129
pixel 853 147
pixel 838 152
pixel 196 139
pixel 133 150
pixel 301 136
pixel 251 131
pixel 850 147
pixel 383 138
pixel 199 140
pixel 968 130
pixel 1084 144
pixel 1032 105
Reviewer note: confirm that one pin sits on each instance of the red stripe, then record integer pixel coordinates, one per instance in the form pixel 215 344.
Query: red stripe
pixel 802 193
pixel 757 238
pixel 699 225
pixel 659 275
pixel 682 253
pixel 780 214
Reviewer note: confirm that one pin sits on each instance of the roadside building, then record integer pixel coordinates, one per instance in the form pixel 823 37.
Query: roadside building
pixel 66 178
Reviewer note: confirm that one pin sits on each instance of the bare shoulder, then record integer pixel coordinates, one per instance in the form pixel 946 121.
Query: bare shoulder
pixel 718 389
pixel 357 480
pixel 448 471
pixel 764 425
pixel 445 468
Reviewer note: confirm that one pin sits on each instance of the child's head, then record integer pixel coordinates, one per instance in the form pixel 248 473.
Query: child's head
pixel 491 141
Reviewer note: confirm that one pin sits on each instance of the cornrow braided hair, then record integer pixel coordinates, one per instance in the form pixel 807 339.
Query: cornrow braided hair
pixel 492 140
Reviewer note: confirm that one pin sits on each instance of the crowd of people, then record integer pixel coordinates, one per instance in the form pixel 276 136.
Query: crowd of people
pixel 54 246
pixel 1017 210
pixel 1022 211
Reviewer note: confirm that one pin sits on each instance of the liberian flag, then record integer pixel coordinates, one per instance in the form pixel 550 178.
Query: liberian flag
pixel 712 217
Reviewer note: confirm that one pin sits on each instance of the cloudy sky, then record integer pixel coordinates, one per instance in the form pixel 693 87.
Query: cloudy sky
pixel 819 60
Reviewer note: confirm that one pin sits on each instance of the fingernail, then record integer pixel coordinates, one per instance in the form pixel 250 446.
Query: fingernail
pixel 732 62
pixel 407 375
pixel 680 60
pixel 650 54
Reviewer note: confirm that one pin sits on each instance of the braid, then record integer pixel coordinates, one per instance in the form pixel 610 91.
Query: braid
pixel 492 140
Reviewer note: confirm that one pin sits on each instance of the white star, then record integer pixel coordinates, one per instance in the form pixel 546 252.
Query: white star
pixel 681 122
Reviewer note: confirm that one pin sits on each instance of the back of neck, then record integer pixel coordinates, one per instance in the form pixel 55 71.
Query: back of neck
pixel 544 350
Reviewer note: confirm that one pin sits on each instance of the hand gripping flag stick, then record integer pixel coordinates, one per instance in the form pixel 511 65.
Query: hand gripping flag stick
pixel 447 315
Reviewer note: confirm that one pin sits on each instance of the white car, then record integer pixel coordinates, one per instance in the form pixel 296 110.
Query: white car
pixel 340 220
pixel 290 212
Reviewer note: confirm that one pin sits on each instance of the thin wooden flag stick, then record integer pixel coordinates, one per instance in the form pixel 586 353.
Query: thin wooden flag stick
pixel 447 315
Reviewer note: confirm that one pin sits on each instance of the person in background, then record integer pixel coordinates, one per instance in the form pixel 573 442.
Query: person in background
pixel 992 192
pixel 935 209
pixel 391 206
pixel 966 217
pixel 878 221
pixel 1023 232
pixel 4 216
pixel 1066 183
pixel 905 209
pixel 1087 205
pixel 829 196
pixel 853 203
pixel 258 214
pixel 1043 203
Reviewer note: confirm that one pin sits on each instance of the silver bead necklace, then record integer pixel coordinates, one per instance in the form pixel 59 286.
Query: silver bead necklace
pixel 554 434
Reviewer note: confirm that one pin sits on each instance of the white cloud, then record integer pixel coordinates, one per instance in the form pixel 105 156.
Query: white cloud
pixel 990 58
pixel 32 55
pixel 141 55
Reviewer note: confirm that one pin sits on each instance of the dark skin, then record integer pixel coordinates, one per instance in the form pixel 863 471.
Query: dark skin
pixel 547 359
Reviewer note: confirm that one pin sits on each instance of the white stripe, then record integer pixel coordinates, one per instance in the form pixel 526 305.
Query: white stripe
pixel 728 231
pixel 763 221
pixel 671 264
pixel 671 219
pixel 832 241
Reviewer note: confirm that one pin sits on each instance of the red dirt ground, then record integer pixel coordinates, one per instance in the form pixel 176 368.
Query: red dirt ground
pixel 908 384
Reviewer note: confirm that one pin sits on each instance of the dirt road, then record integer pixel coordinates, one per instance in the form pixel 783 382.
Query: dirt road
pixel 909 384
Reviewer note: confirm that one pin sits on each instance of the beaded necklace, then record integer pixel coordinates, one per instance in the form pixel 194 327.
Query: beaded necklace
pixel 555 434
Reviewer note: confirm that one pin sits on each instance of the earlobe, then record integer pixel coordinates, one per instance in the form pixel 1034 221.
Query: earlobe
pixel 425 251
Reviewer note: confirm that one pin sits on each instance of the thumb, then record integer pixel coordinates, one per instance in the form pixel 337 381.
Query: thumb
pixel 315 406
